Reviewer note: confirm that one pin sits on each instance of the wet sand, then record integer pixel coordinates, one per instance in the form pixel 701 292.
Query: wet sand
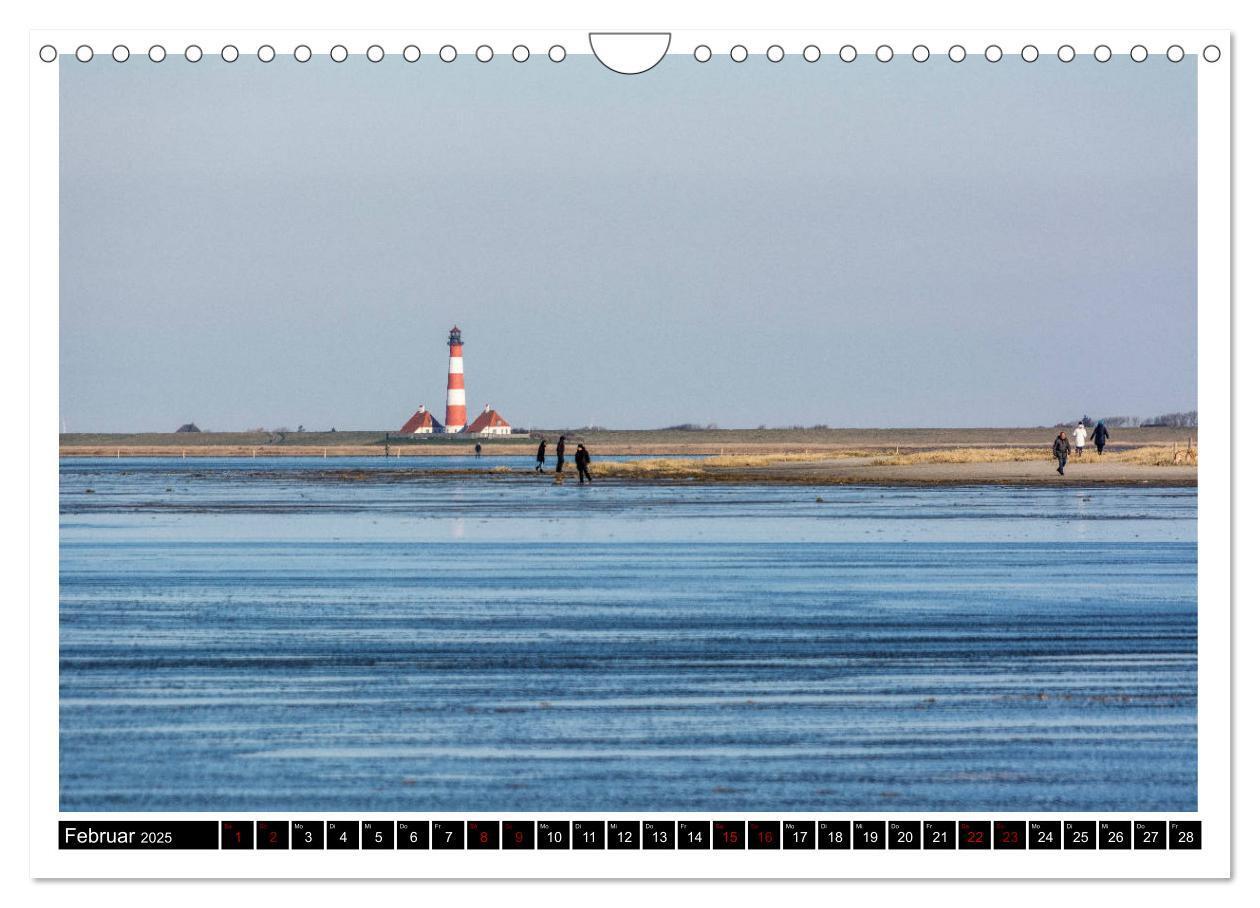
pixel 862 471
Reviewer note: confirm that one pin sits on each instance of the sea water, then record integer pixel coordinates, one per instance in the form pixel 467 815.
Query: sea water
pixel 371 635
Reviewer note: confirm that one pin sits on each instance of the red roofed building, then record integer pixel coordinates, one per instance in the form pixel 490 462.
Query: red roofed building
pixel 421 423
pixel 489 422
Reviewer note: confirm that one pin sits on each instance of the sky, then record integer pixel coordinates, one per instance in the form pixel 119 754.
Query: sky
pixel 869 244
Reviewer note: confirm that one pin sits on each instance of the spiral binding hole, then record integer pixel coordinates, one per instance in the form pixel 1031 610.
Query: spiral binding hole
pixel 812 54
pixel 883 53
pixel 958 53
pixel 157 53
pixel 375 53
pixel 739 53
pixel 848 53
pixel 993 53
pixel 302 53
pixel 411 53
pixel 556 54
pixel 338 53
pixel 229 53
pixel 192 53
pixel 266 53
pixel 121 54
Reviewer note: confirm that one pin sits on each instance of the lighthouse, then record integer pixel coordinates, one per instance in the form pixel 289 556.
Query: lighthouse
pixel 456 411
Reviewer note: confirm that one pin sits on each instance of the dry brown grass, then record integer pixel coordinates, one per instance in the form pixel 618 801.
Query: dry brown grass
pixel 1148 455
pixel 702 466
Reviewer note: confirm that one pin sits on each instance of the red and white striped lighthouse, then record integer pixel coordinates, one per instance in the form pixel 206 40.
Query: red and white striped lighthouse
pixel 456 411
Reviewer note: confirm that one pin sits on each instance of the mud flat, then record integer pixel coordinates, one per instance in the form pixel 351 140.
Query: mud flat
pixel 864 471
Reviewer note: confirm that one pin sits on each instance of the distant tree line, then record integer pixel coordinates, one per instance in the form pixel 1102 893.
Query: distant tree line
pixel 1186 420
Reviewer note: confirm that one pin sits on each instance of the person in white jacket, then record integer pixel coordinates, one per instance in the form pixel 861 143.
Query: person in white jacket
pixel 1078 435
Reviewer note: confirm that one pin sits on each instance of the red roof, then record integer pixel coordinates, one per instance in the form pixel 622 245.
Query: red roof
pixel 420 419
pixel 487 419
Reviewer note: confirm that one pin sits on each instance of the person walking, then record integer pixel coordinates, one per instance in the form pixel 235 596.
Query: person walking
pixel 1061 448
pixel 1099 437
pixel 477 450
pixel 582 459
pixel 1078 436
pixel 542 456
pixel 560 456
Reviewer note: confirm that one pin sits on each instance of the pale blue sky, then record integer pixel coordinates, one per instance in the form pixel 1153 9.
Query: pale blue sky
pixel 859 244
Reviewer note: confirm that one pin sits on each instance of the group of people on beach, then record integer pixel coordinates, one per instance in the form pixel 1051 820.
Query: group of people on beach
pixel 1063 447
pixel 581 460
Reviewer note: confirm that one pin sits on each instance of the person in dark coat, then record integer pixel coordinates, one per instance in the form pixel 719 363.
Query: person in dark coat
pixel 582 459
pixel 1099 436
pixel 477 450
pixel 560 455
pixel 1061 449
pixel 542 456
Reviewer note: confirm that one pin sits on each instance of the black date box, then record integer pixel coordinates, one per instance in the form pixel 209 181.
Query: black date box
pixel 835 834
pixel 1185 834
pixel 729 834
pixel 518 834
pixel 1080 835
pixel 378 834
pixel 1045 834
pixel 870 834
pixel 975 834
pixel 308 835
pixel 588 834
pixel 624 834
pixel 1010 835
pixel 1150 834
pixel 659 834
pixel 800 834
pixel 905 834
pixel 343 834
pixel 1115 834
pixel 765 834
pixel 447 834
pixel 940 835
pixel 273 834
pixel 413 834
pixel 483 835
pixel 693 835
pixel 554 834
pixel 236 834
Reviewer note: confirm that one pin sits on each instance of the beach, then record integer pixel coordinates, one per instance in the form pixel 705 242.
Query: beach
pixel 1010 456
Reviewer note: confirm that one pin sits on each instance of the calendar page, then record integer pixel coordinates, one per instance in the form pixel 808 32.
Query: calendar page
pixel 680 452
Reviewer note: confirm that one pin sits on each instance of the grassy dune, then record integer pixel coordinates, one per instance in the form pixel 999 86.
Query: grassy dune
pixel 703 466
pixel 733 465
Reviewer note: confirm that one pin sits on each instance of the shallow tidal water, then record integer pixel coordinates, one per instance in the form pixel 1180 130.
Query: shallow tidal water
pixel 259 635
